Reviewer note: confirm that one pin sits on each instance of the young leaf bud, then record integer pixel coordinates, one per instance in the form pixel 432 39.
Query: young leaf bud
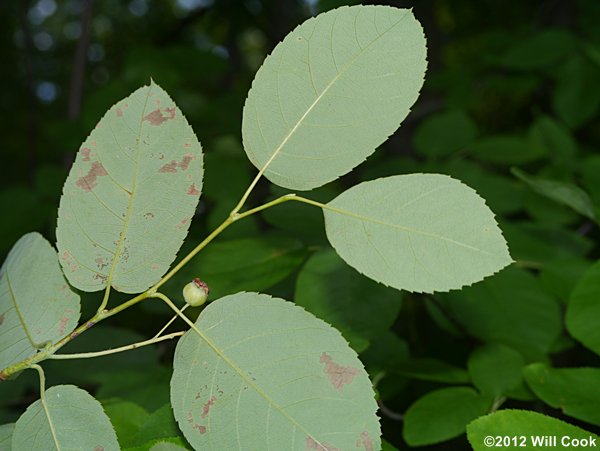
pixel 195 293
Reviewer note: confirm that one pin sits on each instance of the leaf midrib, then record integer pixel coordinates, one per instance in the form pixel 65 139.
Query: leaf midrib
pixel 406 229
pixel 18 310
pixel 317 100
pixel 128 214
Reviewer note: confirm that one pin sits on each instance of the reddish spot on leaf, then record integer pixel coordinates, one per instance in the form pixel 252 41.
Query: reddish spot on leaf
pixel 190 417
pixel 1 319
pixel 192 190
pixel 119 112
pixel 85 153
pixel 157 116
pixel 187 145
pixel 173 165
pixel 98 448
pixel 182 223
pixel 185 161
pixel 338 375
pixel 169 167
pixel 311 443
pixel 101 277
pixel 200 428
pixel 100 263
pixel 69 261
pixel 365 441
pixel 206 407
pixel 62 325
pixel 88 182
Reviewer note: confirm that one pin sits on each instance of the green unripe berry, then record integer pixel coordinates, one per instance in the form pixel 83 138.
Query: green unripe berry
pixel 195 293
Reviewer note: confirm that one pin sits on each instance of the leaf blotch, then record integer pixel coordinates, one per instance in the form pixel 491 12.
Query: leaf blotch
pixel 85 153
pixel 192 191
pixel 1 319
pixel 338 375
pixel 365 441
pixel 62 324
pixel 311 443
pixel 157 117
pixel 88 182
pixel 119 112
pixel 200 428
pixel 206 407
pixel 98 448
pixel 174 165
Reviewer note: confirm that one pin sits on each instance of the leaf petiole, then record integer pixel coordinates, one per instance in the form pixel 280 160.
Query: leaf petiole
pixel 139 344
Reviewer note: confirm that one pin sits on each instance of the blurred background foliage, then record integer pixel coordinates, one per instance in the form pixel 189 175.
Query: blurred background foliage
pixel 510 106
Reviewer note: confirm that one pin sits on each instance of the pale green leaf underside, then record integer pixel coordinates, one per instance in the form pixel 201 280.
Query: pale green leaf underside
pixel 268 375
pixel 73 420
pixel 417 232
pixel 6 432
pixel 130 196
pixel 36 303
pixel 331 92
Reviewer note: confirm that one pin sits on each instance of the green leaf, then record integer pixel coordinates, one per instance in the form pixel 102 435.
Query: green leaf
pixel 495 369
pixel 429 369
pixel 539 50
pixel 444 133
pixel 559 277
pixel 590 168
pixel 417 232
pixel 284 378
pixel 166 446
pixel 540 243
pixel 583 311
pixel 573 390
pixel 254 263
pixel 126 418
pixel 442 415
pixel 175 441
pixel 556 139
pixel 36 304
pixel 504 195
pixel 160 424
pixel 358 307
pixel 130 196
pixel 147 387
pixel 331 92
pixel 227 171
pixel 6 433
pixel 561 192
pixel 530 322
pixel 71 419
pixel 522 423
pixel 506 150
pixel 577 95
pixel 386 446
